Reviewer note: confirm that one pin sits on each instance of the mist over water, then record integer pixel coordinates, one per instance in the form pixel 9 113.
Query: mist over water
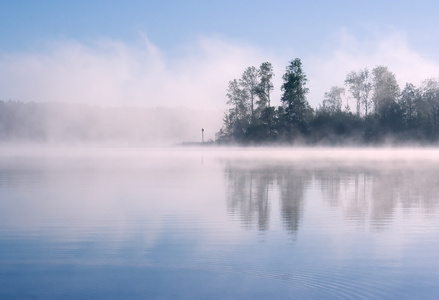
pixel 92 125
pixel 219 223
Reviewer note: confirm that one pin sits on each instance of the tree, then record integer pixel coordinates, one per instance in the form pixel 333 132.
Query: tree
pixel 238 98
pixel 385 89
pixel 408 102
pixel 332 101
pixel 236 122
pixel 430 106
pixel 265 84
pixel 249 83
pixel 359 84
pixel 297 109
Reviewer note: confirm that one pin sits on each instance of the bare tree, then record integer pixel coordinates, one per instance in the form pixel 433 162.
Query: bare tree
pixel 360 85
pixel 265 85
pixel 333 100
pixel 249 83
pixel 385 88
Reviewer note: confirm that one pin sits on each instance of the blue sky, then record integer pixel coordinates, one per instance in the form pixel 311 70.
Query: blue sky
pixel 182 53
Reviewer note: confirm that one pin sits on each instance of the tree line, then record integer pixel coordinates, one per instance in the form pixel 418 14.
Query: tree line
pixel 382 112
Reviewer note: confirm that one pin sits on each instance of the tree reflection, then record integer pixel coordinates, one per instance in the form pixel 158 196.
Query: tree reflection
pixel 249 194
pixel 347 189
pixel 292 185
pixel 366 192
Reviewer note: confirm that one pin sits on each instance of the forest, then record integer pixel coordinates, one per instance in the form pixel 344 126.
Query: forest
pixel 382 113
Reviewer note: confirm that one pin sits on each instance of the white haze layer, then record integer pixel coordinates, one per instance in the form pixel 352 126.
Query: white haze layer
pixel 114 73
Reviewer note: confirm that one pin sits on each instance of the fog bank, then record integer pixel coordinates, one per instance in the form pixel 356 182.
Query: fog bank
pixel 76 124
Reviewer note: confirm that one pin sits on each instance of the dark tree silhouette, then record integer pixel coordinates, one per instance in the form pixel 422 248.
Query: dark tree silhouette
pixel 298 113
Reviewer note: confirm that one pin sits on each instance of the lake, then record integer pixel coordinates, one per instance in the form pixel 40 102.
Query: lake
pixel 219 223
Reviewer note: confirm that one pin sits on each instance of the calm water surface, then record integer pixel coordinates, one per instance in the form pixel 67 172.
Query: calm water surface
pixel 219 224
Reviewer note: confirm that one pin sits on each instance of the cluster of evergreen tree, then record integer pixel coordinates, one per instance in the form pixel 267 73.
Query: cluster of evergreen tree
pixel 383 113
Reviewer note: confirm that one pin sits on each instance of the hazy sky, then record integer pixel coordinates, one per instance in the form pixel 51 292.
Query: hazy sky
pixel 183 53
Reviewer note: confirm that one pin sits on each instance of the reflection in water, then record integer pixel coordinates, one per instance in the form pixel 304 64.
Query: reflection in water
pixel 152 224
pixel 292 184
pixel 375 192
pixel 364 191
pixel 248 194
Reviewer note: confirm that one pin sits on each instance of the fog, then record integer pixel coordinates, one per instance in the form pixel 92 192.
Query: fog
pixel 253 187
pixel 110 72
pixel 76 124
pixel 111 92
pixel 390 48
pixel 108 91
pixel 194 75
